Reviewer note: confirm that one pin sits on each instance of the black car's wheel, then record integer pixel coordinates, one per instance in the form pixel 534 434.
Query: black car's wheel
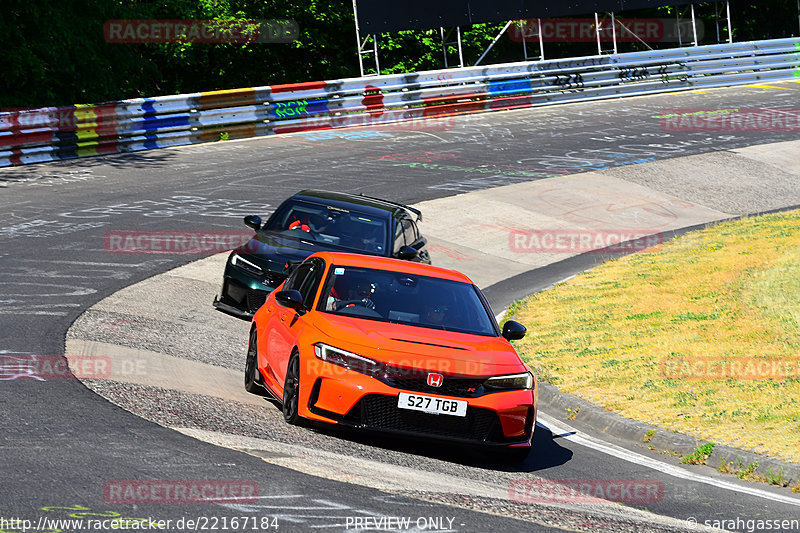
pixel 291 390
pixel 251 385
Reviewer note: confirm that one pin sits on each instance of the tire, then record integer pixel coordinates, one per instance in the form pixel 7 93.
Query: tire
pixel 291 391
pixel 251 381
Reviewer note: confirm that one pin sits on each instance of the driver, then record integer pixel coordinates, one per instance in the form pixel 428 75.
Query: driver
pixel 308 223
pixel 349 293
pixel 436 310
pixel 435 314
pixel 299 223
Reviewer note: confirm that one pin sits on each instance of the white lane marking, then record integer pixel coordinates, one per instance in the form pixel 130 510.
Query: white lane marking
pixel 274 496
pixel 311 513
pixel 77 290
pixel 564 431
pixel 89 263
pixel 43 313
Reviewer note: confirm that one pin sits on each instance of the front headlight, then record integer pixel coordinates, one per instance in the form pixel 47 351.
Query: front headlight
pixel 511 382
pixel 349 360
pixel 240 262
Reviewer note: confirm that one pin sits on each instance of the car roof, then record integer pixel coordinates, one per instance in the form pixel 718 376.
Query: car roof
pixel 366 205
pixel 391 264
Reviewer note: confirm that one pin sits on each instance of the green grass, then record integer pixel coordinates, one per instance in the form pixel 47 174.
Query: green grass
pixel 630 335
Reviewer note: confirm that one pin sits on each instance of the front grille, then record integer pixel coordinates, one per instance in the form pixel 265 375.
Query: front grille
pixel 417 381
pixel 381 412
pixel 255 299
pixel 458 387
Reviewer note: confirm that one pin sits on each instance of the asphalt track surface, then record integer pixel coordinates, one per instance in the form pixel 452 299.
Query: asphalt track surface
pixel 62 444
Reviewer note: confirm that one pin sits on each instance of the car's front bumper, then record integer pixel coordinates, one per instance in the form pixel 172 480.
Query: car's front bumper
pixel 352 399
pixel 243 293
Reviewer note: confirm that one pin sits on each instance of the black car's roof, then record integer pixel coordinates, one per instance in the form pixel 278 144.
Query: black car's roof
pixel 370 206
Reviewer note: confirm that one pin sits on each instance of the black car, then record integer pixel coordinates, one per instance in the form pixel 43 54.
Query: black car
pixel 313 221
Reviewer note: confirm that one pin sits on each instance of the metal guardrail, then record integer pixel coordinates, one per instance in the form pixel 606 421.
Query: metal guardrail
pixel 47 134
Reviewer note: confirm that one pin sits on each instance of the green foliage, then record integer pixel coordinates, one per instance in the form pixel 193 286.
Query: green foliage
pixel 745 472
pixel 55 52
pixel 699 455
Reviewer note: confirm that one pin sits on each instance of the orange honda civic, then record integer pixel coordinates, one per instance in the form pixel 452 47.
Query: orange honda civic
pixel 393 346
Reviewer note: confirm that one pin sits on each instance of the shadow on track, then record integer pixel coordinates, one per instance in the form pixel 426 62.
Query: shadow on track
pixel 545 453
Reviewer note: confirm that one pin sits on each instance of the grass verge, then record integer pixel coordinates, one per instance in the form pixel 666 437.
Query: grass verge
pixel 700 335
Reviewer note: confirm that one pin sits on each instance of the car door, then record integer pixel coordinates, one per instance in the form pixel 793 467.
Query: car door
pixel 420 243
pixel 276 333
pixel 290 323
pixel 408 234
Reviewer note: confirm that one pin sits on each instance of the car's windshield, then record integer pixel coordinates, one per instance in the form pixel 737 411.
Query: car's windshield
pixel 423 301
pixel 330 227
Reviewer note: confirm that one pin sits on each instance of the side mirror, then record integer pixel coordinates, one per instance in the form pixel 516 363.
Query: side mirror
pixel 407 252
pixel 513 331
pixel 291 299
pixel 253 221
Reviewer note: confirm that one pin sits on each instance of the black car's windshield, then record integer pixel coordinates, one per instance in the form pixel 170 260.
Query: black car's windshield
pixel 330 227
pixel 423 301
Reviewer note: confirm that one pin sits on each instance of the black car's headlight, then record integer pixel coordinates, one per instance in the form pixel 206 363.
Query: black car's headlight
pixel 521 381
pixel 350 360
pixel 240 262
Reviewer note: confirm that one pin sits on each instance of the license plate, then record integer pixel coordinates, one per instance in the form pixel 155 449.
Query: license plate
pixel 429 404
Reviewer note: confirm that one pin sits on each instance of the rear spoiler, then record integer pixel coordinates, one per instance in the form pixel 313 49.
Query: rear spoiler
pixel 398 204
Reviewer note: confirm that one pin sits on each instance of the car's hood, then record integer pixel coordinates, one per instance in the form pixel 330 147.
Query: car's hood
pixel 420 348
pixel 276 250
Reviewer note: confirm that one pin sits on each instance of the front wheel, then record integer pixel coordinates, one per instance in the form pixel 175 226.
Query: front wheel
pixel 291 391
pixel 251 385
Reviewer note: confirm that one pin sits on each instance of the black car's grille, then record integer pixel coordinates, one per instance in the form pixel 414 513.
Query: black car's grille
pixel 255 299
pixel 381 413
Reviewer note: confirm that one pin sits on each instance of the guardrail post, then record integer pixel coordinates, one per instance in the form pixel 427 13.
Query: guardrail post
pixel 541 39
pixel 597 33
pixel 361 46
pixel 457 42
pixel 614 31
pixel 730 24
pixel 491 45
pixel 522 26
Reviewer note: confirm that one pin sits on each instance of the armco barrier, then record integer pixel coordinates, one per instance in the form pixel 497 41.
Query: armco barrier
pixel 47 134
